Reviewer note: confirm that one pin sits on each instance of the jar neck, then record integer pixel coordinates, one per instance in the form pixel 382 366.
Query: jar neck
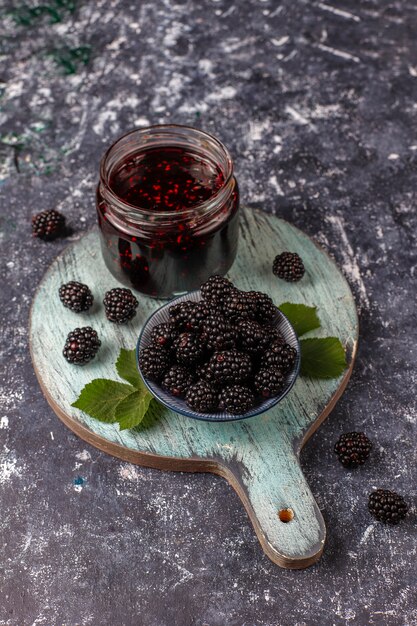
pixel 127 216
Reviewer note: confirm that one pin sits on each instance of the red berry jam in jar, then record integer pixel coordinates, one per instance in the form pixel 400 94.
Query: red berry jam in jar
pixel 167 204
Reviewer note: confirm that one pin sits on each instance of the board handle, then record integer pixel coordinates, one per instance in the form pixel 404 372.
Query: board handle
pixel 286 518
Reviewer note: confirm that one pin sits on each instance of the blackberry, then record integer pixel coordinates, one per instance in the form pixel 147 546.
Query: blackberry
pixel 215 288
pixel 154 362
pixel 387 506
pixel 203 372
pixel 269 382
pixel 48 225
pixel 120 305
pixel 265 309
pixel 182 313
pixel 177 380
pixel 217 333
pixel 353 449
pixel 238 304
pixel 274 336
pixel 252 337
pixel 202 397
pixel 281 356
pixel 196 318
pixel 76 296
pixel 288 266
pixel 236 400
pixel 163 335
pixel 188 349
pixel 229 367
pixel 81 346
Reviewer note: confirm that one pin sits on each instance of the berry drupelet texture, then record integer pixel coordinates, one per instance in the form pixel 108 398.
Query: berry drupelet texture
pixel 164 335
pixel 353 449
pixel 202 397
pixel 177 380
pixel 217 333
pixel 215 289
pixel 288 266
pixel 229 367
pixel 238 304
pixel 81 346
pixel 76 296
pixel 265 309
pixel 236 399
pixel 269 382
pixel 154 362
pixel 387 506
pixel 120 305
pixel 281 356
pixel 252 337
pixel 182 314
pixel 188 349
pixel 48 225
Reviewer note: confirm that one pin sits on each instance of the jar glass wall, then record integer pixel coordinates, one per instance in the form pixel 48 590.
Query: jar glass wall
pixel 167 205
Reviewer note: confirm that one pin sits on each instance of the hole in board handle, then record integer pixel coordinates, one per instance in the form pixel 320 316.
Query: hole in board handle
pixel 286 515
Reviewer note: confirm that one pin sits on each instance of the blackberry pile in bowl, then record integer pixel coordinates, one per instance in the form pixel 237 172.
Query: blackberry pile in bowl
pixel 219 353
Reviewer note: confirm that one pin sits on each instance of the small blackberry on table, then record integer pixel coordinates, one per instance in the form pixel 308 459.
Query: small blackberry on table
pixel 164 335
pixel 120 305
pixel 236 399
pixel 288 266
pixel 188 349
pixel 281 356
pixel 269 382
pixel 177 380
pixel 353 449
pixel 387 506
pixel 76 296
pixel 215 288
pixel 48 225
pixel 217 333
pixel 202 397
pixel 229 367
pixel 154 362
pixel 81 345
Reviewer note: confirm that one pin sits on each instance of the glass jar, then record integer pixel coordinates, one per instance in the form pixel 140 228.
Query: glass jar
pixel 167 205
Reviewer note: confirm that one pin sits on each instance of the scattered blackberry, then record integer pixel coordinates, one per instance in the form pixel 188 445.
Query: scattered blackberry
pixel 229 367
pixel 265 310
pixel 238 304
pixel 164 335
pixel 48 225
pixel 154 362
pixel 188 349
pixel 76 296
pixel 81 346
pixel 202 397
pixel 252 337
pixel 120 305
pixel 288 266
pixel 281 356
pixel 353 449
pixel 215 288
pixel 269 382
pixel 182 313
pixel 177 380
pixel 236 400
pixel 217 333
pixel 387 506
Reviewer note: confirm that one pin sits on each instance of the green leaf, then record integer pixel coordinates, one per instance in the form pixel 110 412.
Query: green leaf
pixel 127 368
pixel 131 410
pixel 101 397
pixel 322 357
pixel 303 318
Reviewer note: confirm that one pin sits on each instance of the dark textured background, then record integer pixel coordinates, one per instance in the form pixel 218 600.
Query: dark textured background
pixel 317 103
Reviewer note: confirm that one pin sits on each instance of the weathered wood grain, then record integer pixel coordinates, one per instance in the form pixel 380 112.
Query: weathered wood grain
pixel 259 456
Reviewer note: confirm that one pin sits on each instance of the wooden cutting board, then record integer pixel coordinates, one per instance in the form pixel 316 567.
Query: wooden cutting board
pixel 259 457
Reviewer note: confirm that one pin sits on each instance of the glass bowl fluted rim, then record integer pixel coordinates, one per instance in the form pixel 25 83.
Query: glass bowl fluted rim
pixel 184 213
pixel 178 405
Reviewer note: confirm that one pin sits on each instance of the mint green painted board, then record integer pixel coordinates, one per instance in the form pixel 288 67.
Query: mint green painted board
pixel 258 456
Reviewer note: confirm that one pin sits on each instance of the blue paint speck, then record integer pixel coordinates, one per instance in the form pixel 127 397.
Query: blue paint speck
pixel 78 480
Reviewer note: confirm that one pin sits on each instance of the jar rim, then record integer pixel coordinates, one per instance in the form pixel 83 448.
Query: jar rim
pixel 199 207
